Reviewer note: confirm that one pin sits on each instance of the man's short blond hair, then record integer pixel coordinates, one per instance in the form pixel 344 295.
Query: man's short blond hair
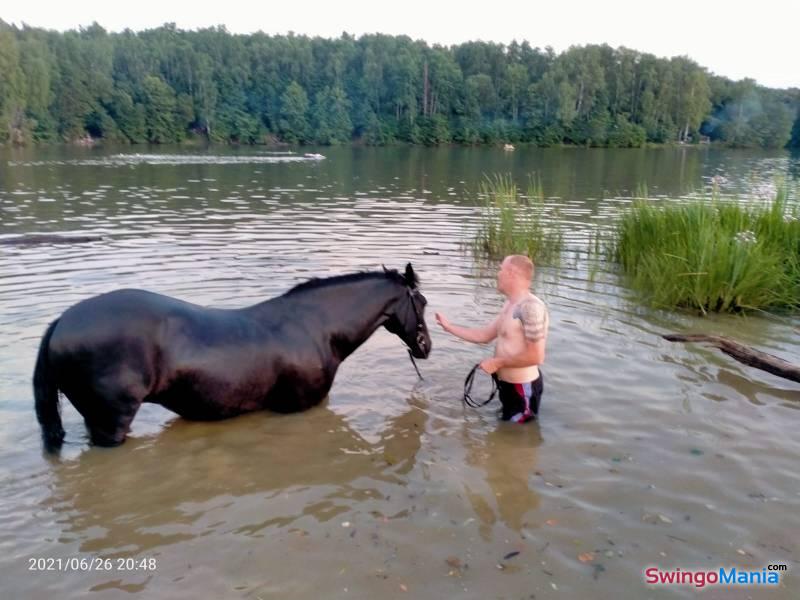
pixel 523 265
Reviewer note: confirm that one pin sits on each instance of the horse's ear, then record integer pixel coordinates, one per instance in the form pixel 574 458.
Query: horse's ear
pixel 411 278
pixel 385 270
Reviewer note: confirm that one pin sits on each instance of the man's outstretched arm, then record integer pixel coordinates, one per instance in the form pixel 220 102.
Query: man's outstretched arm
pixel 477 335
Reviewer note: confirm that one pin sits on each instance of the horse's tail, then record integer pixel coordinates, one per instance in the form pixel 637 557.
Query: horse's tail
pixel 45 391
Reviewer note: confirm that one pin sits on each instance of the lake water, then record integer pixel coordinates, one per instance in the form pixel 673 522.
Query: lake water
pixel 647 453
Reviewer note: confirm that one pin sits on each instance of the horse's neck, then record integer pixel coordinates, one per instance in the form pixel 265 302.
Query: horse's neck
pixel 354 312
pixel 347 313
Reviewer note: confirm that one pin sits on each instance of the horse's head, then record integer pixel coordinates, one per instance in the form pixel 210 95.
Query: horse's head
pixel 407 317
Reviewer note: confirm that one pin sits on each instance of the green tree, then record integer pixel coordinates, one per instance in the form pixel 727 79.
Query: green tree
pixel 624 134
pixel 12 89
pixel 159 111
pixel 691 98
pixel 37 64
pixel 129 117
pixel 794 141
pixel 515 85
pixel 332 123
pixel 293 122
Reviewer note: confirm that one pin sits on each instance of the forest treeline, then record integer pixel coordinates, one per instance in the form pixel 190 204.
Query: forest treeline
pixel 165 85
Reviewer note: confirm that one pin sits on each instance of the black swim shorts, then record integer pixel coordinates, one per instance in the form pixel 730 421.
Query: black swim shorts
pixel 520 400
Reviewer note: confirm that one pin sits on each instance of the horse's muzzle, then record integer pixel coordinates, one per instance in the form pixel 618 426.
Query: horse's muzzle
pixel 422 347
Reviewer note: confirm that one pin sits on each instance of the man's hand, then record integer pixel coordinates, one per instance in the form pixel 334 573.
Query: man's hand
pixel 491 365
pixel 442 320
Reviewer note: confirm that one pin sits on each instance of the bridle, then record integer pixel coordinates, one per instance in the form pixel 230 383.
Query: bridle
pixel 421 343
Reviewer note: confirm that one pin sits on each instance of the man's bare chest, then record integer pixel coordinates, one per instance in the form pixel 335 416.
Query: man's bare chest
pixel 509 326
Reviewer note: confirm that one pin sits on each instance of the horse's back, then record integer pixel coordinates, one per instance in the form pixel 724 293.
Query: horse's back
pixel 117 315
pixel 129 302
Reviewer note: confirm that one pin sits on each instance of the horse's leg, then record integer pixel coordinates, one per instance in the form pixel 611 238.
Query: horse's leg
pixel 111 421
pixel 108 410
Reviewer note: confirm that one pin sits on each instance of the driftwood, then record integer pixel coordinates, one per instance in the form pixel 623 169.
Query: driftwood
pixel 44 238
pixel 744 354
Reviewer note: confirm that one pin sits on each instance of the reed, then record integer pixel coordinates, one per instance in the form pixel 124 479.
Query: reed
pixel 516 224
pixel 712 255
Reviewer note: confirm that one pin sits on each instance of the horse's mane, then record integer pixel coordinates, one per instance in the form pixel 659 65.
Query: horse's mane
pixel 319 283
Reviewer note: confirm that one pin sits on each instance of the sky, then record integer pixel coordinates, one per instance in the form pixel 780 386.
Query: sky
pixel 729 38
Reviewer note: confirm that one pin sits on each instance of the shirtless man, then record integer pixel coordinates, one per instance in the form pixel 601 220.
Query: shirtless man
pixel 521 332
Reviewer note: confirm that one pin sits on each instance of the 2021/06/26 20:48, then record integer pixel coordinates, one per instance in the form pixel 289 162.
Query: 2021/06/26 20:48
pixel 76 563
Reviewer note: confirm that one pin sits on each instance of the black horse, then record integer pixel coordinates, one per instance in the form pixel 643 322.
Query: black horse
pixel 110 353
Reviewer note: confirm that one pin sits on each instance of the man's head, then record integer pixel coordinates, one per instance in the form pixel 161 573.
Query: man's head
pixel 515 274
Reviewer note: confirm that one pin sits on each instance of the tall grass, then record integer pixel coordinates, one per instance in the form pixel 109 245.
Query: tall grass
pixel 513 224
pixel 712 255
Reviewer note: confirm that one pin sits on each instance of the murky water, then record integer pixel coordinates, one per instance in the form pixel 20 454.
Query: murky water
pixel 647 453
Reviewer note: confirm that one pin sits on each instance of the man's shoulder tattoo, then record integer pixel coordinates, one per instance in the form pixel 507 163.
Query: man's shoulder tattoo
pixel 533 315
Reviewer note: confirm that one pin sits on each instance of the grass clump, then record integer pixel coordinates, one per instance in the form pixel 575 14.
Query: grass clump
pixel 712 256
pixel 515 224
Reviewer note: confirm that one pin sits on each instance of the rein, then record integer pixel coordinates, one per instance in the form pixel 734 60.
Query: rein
pixel 468 389
pixel 413 362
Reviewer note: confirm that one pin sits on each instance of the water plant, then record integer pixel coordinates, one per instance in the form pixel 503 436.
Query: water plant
pixel 711 254
pixel 515 224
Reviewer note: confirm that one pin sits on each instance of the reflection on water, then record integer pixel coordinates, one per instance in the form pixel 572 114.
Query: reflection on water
pixel 195 479
pixel 647 452
pixel 508 457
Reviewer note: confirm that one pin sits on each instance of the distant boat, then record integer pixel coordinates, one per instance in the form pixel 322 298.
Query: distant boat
pixel 313 155
pixel 508 147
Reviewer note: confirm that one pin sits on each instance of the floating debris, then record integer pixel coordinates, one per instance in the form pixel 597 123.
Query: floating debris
pixel 655 518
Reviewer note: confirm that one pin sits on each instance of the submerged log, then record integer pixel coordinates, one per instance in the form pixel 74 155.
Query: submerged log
pixel 46 238
pixel 744 354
